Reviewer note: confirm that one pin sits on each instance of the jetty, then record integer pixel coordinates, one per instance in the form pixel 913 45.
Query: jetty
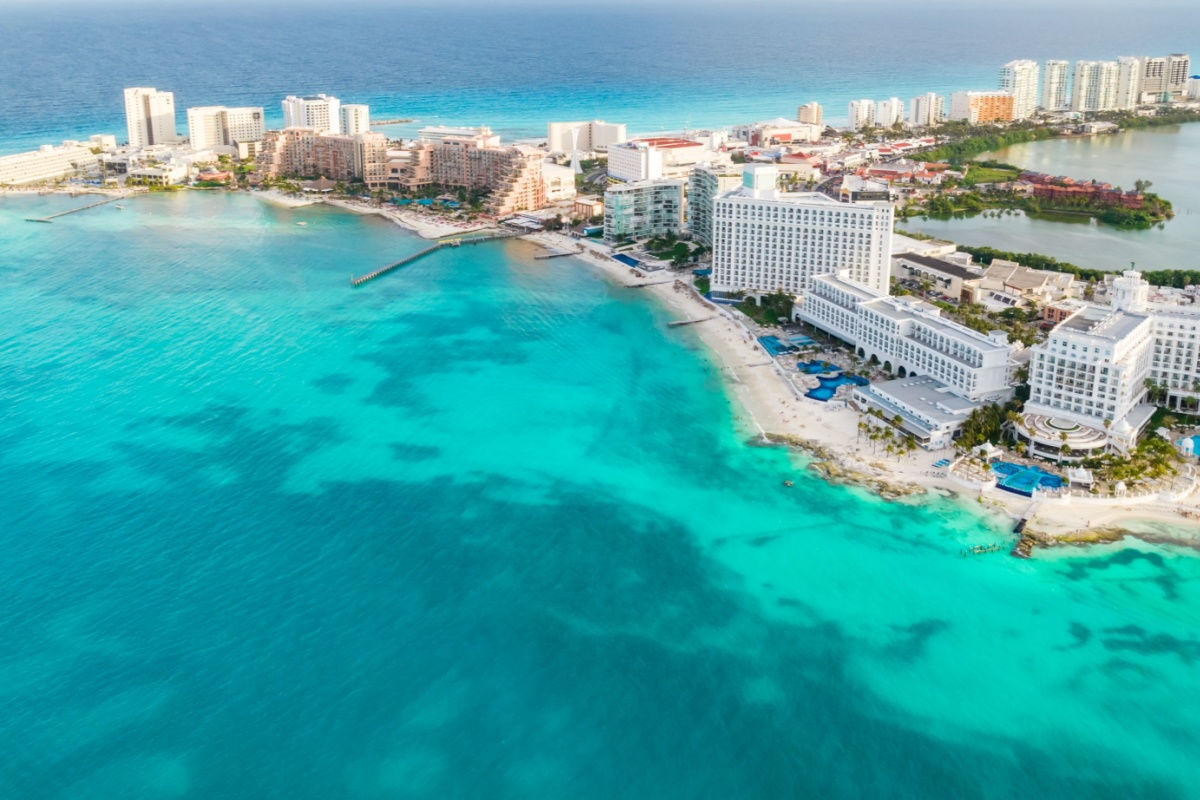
pixel 678 322
pixel 52 217
pixel 649 283
pixel 455 241
pixel 559 253
pixel 981 548
pixel 1026 540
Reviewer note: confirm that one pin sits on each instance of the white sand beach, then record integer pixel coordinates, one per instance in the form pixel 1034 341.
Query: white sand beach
pixel 425 225
pixel 775 407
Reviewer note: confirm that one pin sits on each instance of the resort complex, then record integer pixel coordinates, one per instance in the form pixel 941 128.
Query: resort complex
pixel 784 228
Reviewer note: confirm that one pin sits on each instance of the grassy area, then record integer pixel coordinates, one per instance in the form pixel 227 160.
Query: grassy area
pixel 977 173
pixel 774 306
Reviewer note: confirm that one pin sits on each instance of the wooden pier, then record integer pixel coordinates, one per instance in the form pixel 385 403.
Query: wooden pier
pixel 53 217
pixel 455 241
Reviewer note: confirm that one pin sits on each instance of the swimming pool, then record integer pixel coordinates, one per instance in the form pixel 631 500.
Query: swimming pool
pixel 628 261
pixel 1023 480
pixel 1195 443
pixel 829 386
pixel 816 367
pixel 775 347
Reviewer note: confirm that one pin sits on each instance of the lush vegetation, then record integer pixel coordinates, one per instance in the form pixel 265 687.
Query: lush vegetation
pixel 668 247
pixel 990 172
pixel 1153 458
pixel 1173 116
pixel 986 424
pixel 896 441
pixel 772 307
pixel 970 141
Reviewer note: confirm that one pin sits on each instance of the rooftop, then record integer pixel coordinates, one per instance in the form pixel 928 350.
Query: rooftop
pixel 663 142
pixel 929 396
pixel 941 265
pixel 1102 323
pixel 907 308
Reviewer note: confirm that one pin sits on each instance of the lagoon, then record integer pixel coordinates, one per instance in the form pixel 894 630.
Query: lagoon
pixel 1169 157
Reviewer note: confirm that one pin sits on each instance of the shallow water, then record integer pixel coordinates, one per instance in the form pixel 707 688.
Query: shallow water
pixel 486 527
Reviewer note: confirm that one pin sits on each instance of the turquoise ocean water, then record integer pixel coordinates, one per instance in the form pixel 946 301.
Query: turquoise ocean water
pixel 487 528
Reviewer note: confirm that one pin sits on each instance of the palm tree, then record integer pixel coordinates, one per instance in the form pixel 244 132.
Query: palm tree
pixel 1063 450
pixel 1012 418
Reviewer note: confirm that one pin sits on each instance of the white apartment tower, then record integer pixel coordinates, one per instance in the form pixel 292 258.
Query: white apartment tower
pixel 643 209
pixel 1054 86
pixel 889 112
pixel 1020 79
pixel 150 116
pixel 862 114
pixel 354 118
pixel 244 124
pixel 218 126
pixel 1129 83
pixel 1178 67
pixel 1154 80
pixel 1094 86
pixel 321 113
pixel 809 113
pixel 765 240
pixel 584 137
pixel 205 128
pixel 706 183
pixel 926 110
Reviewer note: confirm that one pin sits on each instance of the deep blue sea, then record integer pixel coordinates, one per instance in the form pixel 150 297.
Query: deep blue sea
pixel 515 66
pixel 487 528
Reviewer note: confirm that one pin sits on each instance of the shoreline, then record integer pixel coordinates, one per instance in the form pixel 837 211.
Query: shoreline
pixel 423 225
pixel 766 399
pixel 776 411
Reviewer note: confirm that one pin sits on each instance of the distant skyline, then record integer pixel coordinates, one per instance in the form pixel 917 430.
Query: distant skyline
pixel 656 67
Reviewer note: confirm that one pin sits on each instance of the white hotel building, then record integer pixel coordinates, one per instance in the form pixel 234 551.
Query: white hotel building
pixel 218 126
pixel 354 118
pixel 946 370
pixel 765 240
pixel 320 112
pixel 49 163
pixel 149 116
pixel 1089 377
pixel 910 337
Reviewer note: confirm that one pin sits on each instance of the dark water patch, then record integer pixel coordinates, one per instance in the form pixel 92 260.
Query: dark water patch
pixel 1124 669
pixel 912 639
pixel 1080 636
pixel 357 604
pixel 334 383
pixel 415 452
pixel 1166 578
pixel 1135 638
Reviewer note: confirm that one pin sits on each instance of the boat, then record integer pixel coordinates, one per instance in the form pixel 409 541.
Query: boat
pixel 302 224
pixel 120 208
pixel 789 484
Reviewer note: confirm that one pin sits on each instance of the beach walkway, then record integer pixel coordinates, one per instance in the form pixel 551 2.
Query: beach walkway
pixel 53 217
pixel 455 241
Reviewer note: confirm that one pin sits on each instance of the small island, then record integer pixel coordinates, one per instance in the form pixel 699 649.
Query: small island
pixel 992 186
